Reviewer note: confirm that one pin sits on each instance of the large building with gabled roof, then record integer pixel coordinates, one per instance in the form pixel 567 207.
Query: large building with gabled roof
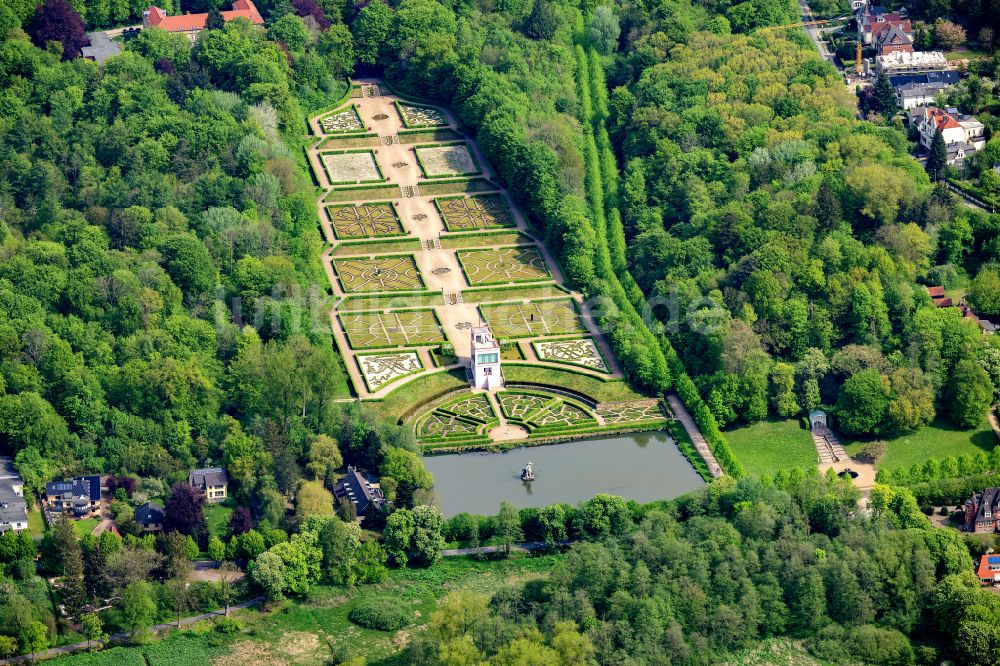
pixel 982 511
pixel 192 24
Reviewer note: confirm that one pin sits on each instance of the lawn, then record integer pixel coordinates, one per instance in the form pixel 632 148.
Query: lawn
pixel 312 631
pixel 36 524
pixel 768 446
pixel 938 440
pixel 398 401
pixel 86 525
pixel 593 387
pixel 970 54
pixel 217 516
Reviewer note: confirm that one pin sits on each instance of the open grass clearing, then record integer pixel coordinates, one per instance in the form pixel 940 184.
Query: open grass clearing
pixel 217 516
pixel 313 630
pixel 940 439
pixel 768 446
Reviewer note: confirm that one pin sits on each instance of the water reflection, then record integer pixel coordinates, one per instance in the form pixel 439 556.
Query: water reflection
pixel 642 466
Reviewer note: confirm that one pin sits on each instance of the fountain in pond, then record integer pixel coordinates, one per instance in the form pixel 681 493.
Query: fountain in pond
pixel 528 474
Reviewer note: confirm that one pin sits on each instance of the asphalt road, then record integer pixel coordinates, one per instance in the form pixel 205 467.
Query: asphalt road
pixel 814 32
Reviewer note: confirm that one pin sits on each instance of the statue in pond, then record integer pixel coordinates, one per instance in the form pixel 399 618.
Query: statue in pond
pixel 528 474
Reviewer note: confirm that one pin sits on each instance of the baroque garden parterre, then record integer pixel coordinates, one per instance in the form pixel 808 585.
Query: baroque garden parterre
pixel 431 261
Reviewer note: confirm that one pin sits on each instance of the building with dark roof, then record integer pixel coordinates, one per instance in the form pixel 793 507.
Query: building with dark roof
pixel 13 508
pixel 893 38
pixel 77 498
pixel 149 517
pixel 988 569
pixel 355 488
pixel 982 511
pixel 985 325
pixel 212 482
pixel 100 48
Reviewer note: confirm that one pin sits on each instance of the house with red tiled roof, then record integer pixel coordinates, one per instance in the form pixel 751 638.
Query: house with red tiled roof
pixel 192 24
pixel 875 20
pixel 988 569
pixel 963 135
pixel 893 38
pixel 985 325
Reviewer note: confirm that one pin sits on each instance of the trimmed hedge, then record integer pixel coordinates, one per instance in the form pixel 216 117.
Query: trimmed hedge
pixel 703 417
pixel 380 613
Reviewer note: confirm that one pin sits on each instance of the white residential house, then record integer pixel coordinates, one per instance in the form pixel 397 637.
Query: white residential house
pixel 13 508
pixel 912 95
pixel 486 372
pixel 963 135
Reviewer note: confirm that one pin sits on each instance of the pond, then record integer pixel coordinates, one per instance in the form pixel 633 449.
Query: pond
pixel 641 466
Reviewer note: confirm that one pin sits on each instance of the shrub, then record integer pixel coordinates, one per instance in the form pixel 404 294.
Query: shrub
pixel 380 613
pixel 228 625
pixel 944 511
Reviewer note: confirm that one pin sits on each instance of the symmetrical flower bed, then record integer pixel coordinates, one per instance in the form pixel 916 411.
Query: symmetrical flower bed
pixel 581 352
pixel 393 273
pixel 535 319
pixel 402 328
pixel 448 160
pixel 367 221
pixel 342 121
pixel 478 212
pixel 381 369
pixel 356 166
pixel 503 265
pixel 420 116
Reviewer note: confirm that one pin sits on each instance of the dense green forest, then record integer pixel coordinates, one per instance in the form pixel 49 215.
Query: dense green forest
pixel 750 244
pixel 715 571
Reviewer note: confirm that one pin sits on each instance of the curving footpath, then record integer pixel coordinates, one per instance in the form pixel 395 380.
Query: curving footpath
pixel 691 428
pixel 114 638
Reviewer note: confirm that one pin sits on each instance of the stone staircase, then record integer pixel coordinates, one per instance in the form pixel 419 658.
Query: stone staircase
pixel 371 91
pixel 828 447
pixel 453 298
pixel 390 139
pixel 407 191
pixel 432 244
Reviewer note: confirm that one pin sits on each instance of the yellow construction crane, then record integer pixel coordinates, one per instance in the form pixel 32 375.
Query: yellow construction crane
pixel 802 24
